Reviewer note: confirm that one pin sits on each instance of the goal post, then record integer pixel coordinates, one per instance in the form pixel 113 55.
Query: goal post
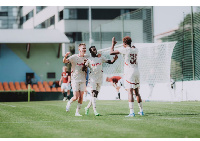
pixel 154 62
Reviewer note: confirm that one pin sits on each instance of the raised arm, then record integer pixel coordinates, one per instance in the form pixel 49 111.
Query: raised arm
pixel 113 61
pixel 65 60
pixel 112 51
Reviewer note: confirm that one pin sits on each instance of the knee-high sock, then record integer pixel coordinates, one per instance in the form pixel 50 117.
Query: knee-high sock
pixel 78 107
pixel 64 95
pixel 69 103
pixel 140 106
pixel 119 95
pixel 94 103
pixel 90 103
pixel 131 104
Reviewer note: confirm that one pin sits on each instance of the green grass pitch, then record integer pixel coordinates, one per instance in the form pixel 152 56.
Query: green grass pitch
pixel 48 119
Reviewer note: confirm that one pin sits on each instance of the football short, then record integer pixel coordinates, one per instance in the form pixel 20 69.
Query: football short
pixel 95 86
pixel 133 83
pixel 66 86
pixel 78 86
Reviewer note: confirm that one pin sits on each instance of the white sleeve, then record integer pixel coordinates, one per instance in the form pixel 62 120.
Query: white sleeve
pixel 104 59
pixel 122 51
pixel 71 58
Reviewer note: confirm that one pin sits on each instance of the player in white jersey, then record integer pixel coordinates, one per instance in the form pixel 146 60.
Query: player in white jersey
pixel 95 76
pixel 78 77
pixel 131 72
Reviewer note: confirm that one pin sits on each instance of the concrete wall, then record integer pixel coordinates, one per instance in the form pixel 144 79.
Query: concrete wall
pixel 43 59
pixel 12 67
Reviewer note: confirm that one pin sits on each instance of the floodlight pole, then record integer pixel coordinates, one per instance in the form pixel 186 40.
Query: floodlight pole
pixel 90 26
pixel 183 52
pixel 192 35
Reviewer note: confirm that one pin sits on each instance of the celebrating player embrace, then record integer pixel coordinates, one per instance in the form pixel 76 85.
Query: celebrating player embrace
pixel 95 77
pixel 131 72
pixel 78 77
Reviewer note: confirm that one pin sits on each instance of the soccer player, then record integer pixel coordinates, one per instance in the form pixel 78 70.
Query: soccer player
pixel 131 72
pixel 117 82
pixel 66 78
pixel 95 77
pixel 78 77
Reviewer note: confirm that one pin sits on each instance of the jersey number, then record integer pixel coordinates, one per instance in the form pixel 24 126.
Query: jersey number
pixel 133 58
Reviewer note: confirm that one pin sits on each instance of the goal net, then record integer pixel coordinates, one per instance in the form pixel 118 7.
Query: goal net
pixel 154 61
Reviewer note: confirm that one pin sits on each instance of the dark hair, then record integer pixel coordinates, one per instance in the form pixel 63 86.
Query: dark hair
pixel 127 40
pixel 91 48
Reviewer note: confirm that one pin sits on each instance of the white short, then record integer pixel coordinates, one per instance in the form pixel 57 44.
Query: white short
pixel 120 83
pixel 95 86
pixel 135 83
pixel 66 86
pixel 78 86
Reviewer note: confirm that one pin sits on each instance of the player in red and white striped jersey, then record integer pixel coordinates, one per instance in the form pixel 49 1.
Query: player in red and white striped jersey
pixel 65 87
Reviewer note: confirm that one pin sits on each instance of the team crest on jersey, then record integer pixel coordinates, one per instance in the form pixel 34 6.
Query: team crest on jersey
pixel 65 75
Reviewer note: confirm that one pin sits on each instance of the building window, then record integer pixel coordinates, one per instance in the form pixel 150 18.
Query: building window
pixel 39 8
pixel 52 21
pixel 74 36
pixel 82 14
pixel 22 20
pixel 47 23
pixel 105 14
pixel 4 8
pixel 0 23
pixel 3 13
pixel 97 14
pixel 60 14
pixel 29 15
pixel 70 14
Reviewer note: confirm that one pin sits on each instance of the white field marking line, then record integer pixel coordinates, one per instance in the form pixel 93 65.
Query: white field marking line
pixel 7 105
pixel 179 103
pixel 106 104
pixel 43 121
pixel 180 118
pixel 131 118
pixel 81 120
pixel 170 118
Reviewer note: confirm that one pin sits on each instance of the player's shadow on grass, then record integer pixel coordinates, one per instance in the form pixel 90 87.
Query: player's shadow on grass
pixel 171 114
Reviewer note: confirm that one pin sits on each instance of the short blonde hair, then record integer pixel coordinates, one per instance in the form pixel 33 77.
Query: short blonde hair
pixel 82 44
pixel 64 67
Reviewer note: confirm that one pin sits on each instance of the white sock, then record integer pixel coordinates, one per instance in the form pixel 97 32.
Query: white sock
pixel 89 104
pixel 140 106
pixel 78 107
pixel 94 103
pixel 131 107
pixel 69 103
